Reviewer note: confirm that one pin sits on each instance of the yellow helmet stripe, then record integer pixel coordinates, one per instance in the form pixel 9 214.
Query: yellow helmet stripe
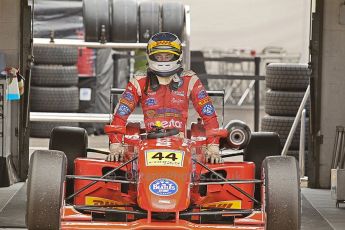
pixel 164 43
pixel 164 51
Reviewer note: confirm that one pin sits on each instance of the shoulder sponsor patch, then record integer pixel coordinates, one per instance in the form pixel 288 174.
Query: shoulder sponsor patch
pixel 128 95
pixel 126 102
pixel 204 101
pixel 202 94
pixel 123 110
pixel 208 109
pixel 163 187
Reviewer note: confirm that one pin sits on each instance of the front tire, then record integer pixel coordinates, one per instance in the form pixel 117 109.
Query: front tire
pixel 282 201
pixel 47 173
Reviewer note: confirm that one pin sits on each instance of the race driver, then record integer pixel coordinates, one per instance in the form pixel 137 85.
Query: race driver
pixel 164 93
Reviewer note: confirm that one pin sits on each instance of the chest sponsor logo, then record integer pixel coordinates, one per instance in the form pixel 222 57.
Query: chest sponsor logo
pixel 150 101
pixel 173 158
pixel 165 112
pixel 163 187
pixel 177 101
pixel 208 109
pixel 123 110
pixel 151 93
pixel 167 124
pixel 178 93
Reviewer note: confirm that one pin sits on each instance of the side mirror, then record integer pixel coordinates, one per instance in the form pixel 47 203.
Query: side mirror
pixel 114 129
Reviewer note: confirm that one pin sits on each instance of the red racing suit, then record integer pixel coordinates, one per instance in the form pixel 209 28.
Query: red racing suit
pixel 168 106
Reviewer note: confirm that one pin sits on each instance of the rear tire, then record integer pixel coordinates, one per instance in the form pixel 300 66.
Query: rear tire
pixel 47 173
pixel 73 141
pixel 282 193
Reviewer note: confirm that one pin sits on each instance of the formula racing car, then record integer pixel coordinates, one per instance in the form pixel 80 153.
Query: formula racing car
pixel 163 183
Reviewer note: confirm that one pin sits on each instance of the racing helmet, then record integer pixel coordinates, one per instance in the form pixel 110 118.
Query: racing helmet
pixel 164 42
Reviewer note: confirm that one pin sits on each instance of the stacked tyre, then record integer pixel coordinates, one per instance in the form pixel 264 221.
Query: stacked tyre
pixel 129 21
pixel 53 86
pixel 286 83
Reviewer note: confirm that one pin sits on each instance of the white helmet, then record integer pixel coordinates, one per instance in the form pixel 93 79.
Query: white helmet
pixel 164 42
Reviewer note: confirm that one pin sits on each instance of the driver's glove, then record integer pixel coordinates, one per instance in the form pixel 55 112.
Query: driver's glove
pixel 212 154
pixel 117 151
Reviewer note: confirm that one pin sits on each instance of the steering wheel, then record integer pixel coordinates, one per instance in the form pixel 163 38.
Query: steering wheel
pixel 159 133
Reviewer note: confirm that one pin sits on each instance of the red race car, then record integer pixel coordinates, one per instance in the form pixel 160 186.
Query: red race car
pixel 164 183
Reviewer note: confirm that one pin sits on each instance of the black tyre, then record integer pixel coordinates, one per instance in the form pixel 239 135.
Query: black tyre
pixel 173 18
pixel 261 145
pixel 149 17
pixel 55 55
pixel 282 193
pixel 282 126
pixel 54 75
pixel 96 15
pixel 287 76
pixel 125 21
pixel 52 99
pixel 282 103
pixel 43 129
pixel 47 173
pixel 73 141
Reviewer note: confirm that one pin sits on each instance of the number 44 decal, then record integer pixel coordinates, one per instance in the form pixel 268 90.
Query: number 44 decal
pixel 160 156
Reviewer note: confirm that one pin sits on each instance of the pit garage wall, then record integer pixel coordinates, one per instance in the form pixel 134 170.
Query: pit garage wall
pixel 10 46
pixel 331 86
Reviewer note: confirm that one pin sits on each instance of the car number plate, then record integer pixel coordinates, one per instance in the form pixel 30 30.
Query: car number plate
pixel 161 157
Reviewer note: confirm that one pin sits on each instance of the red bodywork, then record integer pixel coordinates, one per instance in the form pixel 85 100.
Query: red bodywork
pixel 163 184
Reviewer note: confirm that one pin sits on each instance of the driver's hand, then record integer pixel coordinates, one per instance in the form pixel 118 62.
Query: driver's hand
pixel 117 151
pixel 212 154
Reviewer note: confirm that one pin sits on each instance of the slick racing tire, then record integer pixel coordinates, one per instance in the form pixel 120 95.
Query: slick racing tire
pixel 50 55
pixel 282 193
pixel 54 99
pixel 125 21
pixel 47 173
pixel 42 129
pixel 261 145
pixel 287 76
pixel 282 103
pixel 96 15
pixel 54 75
pixel 73 141
pixel 149 18
pixel 282 126
pixel 173 18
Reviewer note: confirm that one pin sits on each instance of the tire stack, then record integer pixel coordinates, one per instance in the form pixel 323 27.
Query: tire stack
pixel 286 83
pixel 53 86
pixel 130 21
